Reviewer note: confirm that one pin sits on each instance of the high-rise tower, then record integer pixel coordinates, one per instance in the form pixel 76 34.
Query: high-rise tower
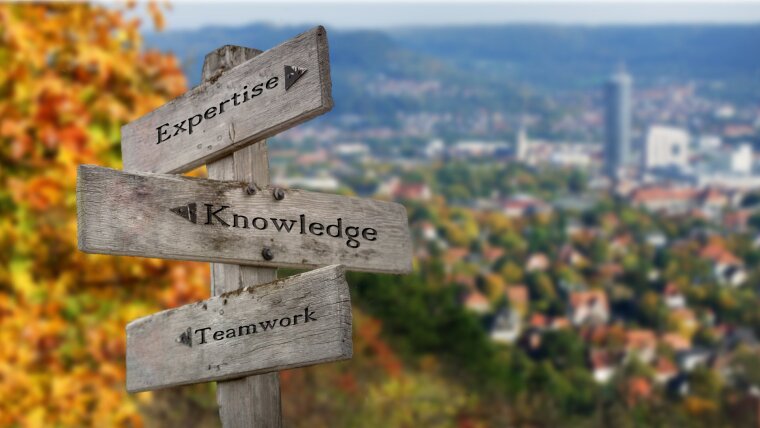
pixel 617 118
pixel 521 144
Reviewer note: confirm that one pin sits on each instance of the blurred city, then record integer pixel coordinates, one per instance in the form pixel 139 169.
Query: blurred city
pixel 585 205
pixel 598 222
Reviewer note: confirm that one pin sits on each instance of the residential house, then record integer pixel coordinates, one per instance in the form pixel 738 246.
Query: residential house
pixel 692 358
pixel 453 256
pixel 737 221
pixel 558 323
pixel 727 268
pixel 675 341
pixel 730 274
pixel 467 281
pixel 396 189
pixel 518 298
pixel 477 302
pixel 506 326
pixel 602 365
pixel 589 307
pixel 641 344
pixel 492 254
pixel 620 244
pixel 521 206
pixel 538 321
pixel 571 256
pixel 610 271
pixel 656 239
pixel 667 200
pixel 664 370
pixel 311 158
pixel 428 231
pixel 638 389
pixel 537 262
pixel 673 297
pixel 712 203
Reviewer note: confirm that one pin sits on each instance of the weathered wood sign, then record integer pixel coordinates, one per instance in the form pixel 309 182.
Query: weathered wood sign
pixel 173 217
pixel 276 90
pixel 244 336
pixel 294 322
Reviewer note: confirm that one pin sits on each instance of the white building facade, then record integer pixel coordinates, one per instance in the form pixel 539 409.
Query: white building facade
pixel 666 147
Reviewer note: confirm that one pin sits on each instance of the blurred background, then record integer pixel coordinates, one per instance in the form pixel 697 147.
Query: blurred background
pixel 582 185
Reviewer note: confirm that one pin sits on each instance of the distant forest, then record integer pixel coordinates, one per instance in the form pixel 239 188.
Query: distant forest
pixel 543 55
pixel 509 68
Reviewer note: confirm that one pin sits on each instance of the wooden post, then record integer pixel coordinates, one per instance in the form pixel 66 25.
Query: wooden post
pixel 253 401
pixel 242 179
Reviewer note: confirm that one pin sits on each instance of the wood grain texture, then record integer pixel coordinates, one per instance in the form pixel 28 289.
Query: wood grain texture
pixel 123 213
pixel 271 112
pixel 167 349
pixel 225 58
pixel 252 401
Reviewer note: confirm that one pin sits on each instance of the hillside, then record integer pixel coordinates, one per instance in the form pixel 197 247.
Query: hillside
pixel 561 56
pixel 564 56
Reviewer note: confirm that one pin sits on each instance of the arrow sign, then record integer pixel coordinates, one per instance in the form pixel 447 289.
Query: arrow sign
pixel 187 212
pixel 294 322
pixel 292 74
pixel 175 217
pixel 257 99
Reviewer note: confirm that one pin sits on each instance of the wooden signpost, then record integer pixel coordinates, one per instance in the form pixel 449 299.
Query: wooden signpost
pixel 297 321
pixel 265 95
pixel 253 325
pixel 167 216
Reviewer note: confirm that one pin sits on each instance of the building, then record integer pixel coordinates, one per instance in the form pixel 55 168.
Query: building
pixel 673 297
pixel 517 296
pixel 667 200
pixel 666 147
pixel 399 190
pixel 478 149
pixel 506 326
pixel 641 344
pixel 523 205
pixel 589 307
pixel 709 143
pixel 521 145
pixel 602 365
pixel 617 106
pixel 323 182
pixel 537 262
pixel 665 370
pixel 476 302
pixel 741 160
pixel 351 150
pixel 435 148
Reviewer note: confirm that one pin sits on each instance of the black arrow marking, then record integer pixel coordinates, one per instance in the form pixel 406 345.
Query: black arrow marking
pixel 186 338
pixel 292 74
pixel 188 212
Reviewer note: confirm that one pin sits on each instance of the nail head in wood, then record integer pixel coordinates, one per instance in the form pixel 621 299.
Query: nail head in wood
pixel 278 193
pixel 267 254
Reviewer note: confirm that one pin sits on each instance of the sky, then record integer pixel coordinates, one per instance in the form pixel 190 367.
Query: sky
pixel 366 14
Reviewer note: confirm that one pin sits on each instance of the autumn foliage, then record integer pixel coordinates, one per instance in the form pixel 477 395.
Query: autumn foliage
pixel 70 76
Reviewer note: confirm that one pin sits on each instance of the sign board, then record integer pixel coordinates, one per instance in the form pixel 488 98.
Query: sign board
pixel 273 91
pixel 182 218
pixel 294 322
